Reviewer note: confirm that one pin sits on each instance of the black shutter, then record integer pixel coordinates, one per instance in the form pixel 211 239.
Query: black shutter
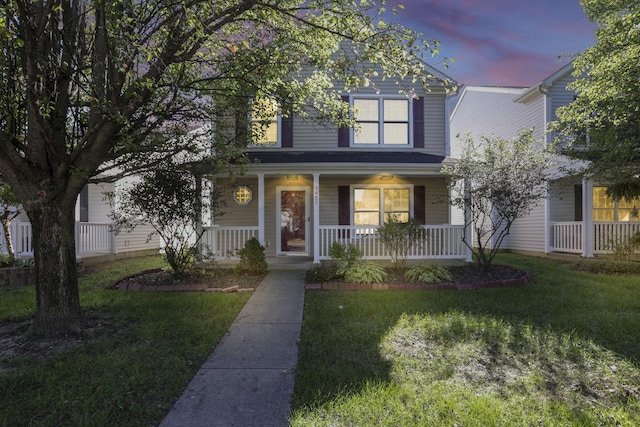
pixel 286 138
pixel 419 208
pixel 84 204
pixel 418 123
pixel 578 202
pixel 343 132
pixel 344 210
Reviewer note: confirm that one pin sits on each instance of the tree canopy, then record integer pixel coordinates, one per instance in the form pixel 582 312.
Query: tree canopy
pixel 602 125
pixel 498 181
pixel 89 84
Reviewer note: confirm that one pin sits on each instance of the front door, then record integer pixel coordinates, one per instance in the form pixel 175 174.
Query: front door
pixel 293 215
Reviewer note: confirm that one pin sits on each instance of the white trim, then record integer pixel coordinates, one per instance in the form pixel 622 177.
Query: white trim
pixel 278 122
pixel 261 212
pixel 352 187
pixel 587 218
pixel 316 216
pixel 278 225
pixel 381 144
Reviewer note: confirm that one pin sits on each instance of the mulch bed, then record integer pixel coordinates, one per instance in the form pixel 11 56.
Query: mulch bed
pixel 218 280
pixel 465 277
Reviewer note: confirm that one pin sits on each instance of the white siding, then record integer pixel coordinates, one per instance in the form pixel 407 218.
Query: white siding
pixel 494 111
pixel 528 233
pixel 136 240
pixel 99 208
pixel 562 202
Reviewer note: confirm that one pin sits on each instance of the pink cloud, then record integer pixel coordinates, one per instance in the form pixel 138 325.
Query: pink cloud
pixel 501 42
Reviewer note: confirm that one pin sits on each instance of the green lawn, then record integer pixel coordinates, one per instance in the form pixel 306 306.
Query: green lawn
pixel 143 350
pixel 564 350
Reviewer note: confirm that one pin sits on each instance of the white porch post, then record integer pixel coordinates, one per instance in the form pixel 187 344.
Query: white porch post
pixel 316 218
pixel 547 221
pixel 468 225
pixel 261 208
pixel 587 218
pixel 198 206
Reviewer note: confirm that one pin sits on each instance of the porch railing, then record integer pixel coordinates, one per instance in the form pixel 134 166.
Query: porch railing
pixel 608 235
pixel 224 242
pixel 441 242
pixel 91 238
pixel 567 236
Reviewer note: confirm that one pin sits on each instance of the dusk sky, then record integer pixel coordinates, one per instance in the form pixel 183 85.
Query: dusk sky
pixel 500 42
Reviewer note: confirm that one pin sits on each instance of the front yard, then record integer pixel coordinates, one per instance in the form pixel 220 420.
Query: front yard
pixel 137 355
pixel 563 350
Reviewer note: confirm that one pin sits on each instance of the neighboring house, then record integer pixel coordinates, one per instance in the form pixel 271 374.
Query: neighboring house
pixel 576 216
pixel 94 231
pixel 311 186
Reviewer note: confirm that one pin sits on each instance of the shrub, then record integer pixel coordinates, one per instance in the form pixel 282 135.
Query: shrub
pixel 398 237
pixel 252 258
pixel 428 272
pixel 6 260
pixel 363 272
pixel 346 256
pixel 624 249
pixel 324 272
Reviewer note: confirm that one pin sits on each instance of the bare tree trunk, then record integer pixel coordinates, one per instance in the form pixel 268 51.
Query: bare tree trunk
pixel 6 231
pixel 57 296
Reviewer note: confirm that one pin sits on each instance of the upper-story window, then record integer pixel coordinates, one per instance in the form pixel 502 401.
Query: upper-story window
pixel 265 123
pixel 382 121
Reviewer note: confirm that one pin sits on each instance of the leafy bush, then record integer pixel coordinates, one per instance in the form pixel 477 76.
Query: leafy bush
pixel 252 258
pixel 346 256
pixel 626 248
pixel 363 272
pixel 6 260
pixel 428 272
pixel 607 266
pixel 398 237
pixel 324 272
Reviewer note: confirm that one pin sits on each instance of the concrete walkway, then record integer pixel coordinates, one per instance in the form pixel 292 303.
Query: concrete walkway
pixel 248 379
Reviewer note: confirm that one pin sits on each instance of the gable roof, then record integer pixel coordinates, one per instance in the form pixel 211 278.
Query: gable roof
pixel 543 85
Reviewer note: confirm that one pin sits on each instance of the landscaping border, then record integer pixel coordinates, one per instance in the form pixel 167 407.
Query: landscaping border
pixel 334 286
pixel 122 285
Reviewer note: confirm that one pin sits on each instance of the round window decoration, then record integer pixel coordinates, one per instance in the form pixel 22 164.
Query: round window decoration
pixel 242 195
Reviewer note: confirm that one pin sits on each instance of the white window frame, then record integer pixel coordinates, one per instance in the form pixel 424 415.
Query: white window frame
pixel 381 99
pixel 278 122
pixel 380 187
pixel 615 208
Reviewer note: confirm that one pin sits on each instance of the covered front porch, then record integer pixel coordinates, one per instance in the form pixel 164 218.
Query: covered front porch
pixel 600 224
pixel 443 242
pixel 300 211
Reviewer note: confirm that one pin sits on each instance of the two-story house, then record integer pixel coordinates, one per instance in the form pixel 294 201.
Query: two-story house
pixel 576 216
pixel 310 186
